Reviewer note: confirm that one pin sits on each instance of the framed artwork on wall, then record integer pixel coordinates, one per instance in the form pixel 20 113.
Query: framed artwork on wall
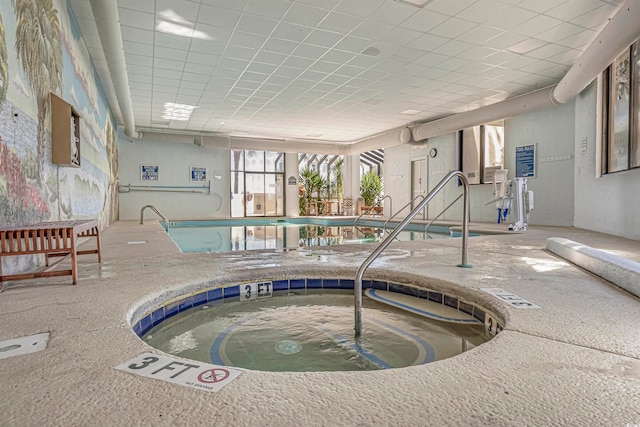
pixel 149 173
pixel 198 174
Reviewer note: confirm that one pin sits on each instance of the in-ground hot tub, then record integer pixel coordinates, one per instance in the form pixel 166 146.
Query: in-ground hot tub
pixel 306 324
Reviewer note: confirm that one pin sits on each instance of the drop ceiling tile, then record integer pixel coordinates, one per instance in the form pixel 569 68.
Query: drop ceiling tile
pixel 137 19
pixel 452 28
pixel 168 53
pixel 274 9
pixel 352 44
pixel 290 31
pixel 366 61
pixel 167 64
pixel 145 61
pixel 308 51
pixel 298 62
pixel 408 54
pixel 136 77
pixel 424 20
pixel 362 8
pixel 338 22
pixel 505 40
pixel 233 64
pixel 337 79
pixel 392 13
pixel 572 9
pixel 272 58
pixel 596 18
pixel 324 66
pixel 244 39
pixel 217 16
pixel 220 72
pixel 134 48
pixel 288 72
pixel 280 46
pixel 338 56
pixel 256 24
pixel 547 51
pixel 400 36
pixel 349 71
pixel 136 35
pixel 453 48
pixel 323 38
pixel 244 53
pixel 480 34
pixel 138 69
pixel 257 67
pixel 202 58
pixel 431 59
pixel 165 73
pixel 537 25
pixel 195 77
pixel 303 14
pixel 510 17
pixel 454 64
pixel 172 41
pixel 479 12
pixel 428 42
pixel 198 86
pixel 254 77
pixel 579 40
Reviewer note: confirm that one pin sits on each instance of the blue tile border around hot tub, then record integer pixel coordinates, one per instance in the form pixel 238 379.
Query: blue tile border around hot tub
pixel 152 318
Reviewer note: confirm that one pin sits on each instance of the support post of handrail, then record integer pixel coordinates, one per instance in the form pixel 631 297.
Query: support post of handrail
pixel 400 210
pixel 153 208
pixel 387 241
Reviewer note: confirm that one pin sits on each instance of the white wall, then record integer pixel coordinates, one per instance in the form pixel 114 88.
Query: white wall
pixel 552 130
pixel 610 203
pixel 174 161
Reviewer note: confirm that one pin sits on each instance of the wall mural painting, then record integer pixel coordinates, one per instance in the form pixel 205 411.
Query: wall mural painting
pixel 41 51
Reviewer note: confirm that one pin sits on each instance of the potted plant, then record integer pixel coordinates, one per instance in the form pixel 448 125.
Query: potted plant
pixel 370 189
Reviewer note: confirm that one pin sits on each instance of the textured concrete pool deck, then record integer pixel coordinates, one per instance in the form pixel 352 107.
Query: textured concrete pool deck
pixel 574 361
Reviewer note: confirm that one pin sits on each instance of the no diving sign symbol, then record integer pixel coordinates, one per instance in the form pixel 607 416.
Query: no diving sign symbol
pixel 188 373
pixel 213 375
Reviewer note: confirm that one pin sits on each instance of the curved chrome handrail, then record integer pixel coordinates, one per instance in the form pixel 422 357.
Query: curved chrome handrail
pixel 355 221
pixel 357 290
pixel 401 209
pixel 440 214
pixel 153 208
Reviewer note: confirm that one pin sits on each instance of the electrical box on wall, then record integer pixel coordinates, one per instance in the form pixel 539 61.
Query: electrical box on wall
pixel 65 133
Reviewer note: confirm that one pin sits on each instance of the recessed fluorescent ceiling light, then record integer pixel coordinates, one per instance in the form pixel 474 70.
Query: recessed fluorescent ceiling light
pixel 177 25
pixel 410 112
pixel 416 3
pixel 181 112
pixel 526 46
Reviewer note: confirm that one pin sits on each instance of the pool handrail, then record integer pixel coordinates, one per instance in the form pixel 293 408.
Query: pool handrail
pixel 355 221
pixel 160 214
pixel 440 214
pixel 384 227
pixel 357 290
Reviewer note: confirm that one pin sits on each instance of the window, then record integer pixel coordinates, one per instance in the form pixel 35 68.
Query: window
pixel 257 183
pixel 621 112
pixel 482 152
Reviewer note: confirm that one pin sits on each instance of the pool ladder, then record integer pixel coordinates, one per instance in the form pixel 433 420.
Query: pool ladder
pixel 387 241
pixel 160 214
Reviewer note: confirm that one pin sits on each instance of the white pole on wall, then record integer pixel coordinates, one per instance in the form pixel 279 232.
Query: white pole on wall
pixel 291 188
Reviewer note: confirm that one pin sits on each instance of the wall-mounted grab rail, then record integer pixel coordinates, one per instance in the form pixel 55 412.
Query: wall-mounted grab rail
pixel 440 214
pixel 384 227
pixel 160 214
pixel 387 241
pixel 202 189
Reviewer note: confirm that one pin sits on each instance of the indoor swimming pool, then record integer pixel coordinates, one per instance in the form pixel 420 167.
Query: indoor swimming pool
pixel 286 234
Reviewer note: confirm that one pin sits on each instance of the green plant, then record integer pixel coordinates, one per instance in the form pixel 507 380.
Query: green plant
pixel 312 184
pixel 370 188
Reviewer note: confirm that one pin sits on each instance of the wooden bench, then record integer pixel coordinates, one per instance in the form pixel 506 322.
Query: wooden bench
pixel 53 239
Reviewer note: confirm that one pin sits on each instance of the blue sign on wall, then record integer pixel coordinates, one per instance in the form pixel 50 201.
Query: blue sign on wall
pixel 198 174
pixel 149 173
pixel 526 161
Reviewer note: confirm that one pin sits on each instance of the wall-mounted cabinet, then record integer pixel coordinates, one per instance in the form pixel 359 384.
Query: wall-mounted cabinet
pixel 65 133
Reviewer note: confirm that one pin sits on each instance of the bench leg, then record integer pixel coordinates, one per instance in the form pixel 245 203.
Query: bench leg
pixel 98 244
pixel 74 260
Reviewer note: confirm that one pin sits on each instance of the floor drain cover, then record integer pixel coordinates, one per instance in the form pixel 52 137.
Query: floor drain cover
pixel 288 347
pixel 23 345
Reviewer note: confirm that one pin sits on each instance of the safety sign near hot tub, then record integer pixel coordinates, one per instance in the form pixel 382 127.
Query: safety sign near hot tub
pixel 183 372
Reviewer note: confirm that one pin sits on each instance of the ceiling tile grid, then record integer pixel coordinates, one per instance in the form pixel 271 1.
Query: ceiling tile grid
pixel 341 70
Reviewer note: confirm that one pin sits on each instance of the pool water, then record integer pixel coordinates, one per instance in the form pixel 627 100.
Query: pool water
pixel 286 235
pixel 310 331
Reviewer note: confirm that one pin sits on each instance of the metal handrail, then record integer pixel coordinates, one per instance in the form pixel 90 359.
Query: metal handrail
pixel 153 208
pixel 355 221
pixel 387 241
pixel 440 214
pixel 401 209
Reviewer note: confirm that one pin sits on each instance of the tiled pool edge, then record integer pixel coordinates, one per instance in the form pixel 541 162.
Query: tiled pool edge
pixel 152 312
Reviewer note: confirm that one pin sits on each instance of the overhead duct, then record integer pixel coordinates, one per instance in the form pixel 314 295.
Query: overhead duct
pixel 511 107
pixel 621 31
pixel 105 14
pixel 617 35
